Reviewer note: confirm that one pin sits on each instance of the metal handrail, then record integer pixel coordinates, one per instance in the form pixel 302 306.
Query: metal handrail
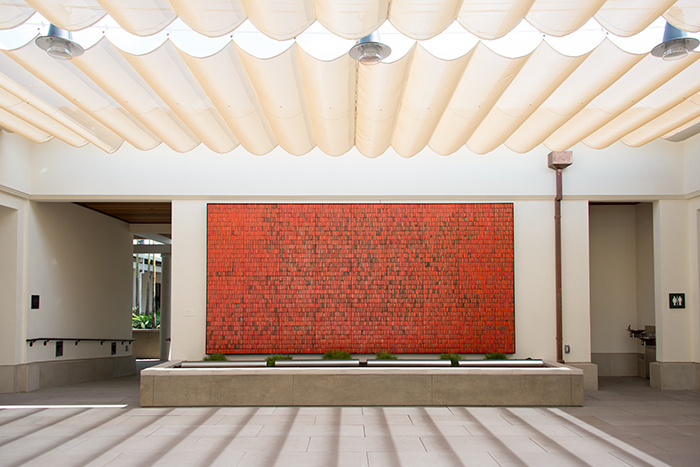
pixel 76 339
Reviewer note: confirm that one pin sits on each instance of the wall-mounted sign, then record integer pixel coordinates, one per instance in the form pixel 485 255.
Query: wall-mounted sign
pixel 676 300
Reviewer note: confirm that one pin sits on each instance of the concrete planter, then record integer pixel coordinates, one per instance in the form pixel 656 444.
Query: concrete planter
pixel 146 343
pixel 167 386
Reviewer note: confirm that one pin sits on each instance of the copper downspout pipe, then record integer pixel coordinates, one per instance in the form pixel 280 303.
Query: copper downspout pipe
pixel 558 161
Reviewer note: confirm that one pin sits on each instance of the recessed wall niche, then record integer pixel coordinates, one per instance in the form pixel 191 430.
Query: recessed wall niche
pixel 406 278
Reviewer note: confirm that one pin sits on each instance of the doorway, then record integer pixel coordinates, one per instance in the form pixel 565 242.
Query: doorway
pixel 622 288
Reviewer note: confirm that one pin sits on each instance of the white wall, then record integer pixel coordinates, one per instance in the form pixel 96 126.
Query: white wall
pixel 692 165
pixel 79 263
pixel 15 163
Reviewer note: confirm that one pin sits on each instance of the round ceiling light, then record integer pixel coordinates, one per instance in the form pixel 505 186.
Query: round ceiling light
pixel 369 50
pixel 59 44
pixel 676 44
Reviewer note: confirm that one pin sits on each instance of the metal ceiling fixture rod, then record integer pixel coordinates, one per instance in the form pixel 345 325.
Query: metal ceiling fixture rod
pixel 558 161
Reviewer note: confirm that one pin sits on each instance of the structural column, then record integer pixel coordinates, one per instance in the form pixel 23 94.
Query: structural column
pixel 165 307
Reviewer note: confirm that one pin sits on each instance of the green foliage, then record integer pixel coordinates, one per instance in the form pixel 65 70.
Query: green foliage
pixel 215 357
pixel 145 321
pixel 337 355
pixel 273 358
pixel 495 356
pixel 455 358
pixel 384 355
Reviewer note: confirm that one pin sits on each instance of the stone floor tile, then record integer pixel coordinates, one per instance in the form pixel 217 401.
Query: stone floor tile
pixel 241 443
pixel 413 431
pixel 665 410
pixel 141 444
pixel 655 420
pixel 318 410
pixel 431 459
pixel 305 459
pixel 483 444
pixel 245 411
pixel 386 443
pixel 433 411
pixel 374 419
pixel 582 445
pixel 72 460
pixel 280 431
pixel 177 459
pixel 521 430
pixel 209 430
pixel 557 459
pixel 688 430
pixel 680 444
pixel 269 419
pixel 675 460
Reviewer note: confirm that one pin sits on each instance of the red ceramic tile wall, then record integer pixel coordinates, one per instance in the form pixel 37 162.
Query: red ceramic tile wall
pixel 405 278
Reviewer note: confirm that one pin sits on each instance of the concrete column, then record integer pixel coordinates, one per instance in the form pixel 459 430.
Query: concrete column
pixel 671 275
pixel 165 307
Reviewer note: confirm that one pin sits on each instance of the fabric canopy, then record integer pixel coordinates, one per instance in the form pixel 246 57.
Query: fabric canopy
pixel 417 19
pixel 481 99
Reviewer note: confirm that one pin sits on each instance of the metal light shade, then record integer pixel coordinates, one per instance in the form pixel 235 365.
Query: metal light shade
pixel 676 44
pixel 59 44
pixel 369 50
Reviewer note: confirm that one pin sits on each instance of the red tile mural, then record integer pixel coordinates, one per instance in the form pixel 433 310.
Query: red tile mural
pixel 405 278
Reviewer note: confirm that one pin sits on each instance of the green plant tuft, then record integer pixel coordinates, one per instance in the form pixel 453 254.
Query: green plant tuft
pixel 384 355
pixel 216 357
pixel 455 358
pixel 273 358
pixel 144 321
pixel 495 356
pixel 337 355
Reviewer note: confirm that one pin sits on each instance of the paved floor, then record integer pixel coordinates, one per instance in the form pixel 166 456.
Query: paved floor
pixel 624 423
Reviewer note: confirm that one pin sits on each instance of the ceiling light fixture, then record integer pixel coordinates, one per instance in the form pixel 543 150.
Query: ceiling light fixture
pixel 676 44
pixel 59 44
pixel 369 50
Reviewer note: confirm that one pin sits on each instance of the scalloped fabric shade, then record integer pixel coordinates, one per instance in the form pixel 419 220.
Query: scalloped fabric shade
pixel 481 100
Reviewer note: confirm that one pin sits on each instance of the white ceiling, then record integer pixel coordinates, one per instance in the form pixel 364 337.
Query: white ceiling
pixel 296 101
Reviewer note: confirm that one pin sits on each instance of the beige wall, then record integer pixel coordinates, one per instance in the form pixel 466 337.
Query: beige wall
pixel 79 262
pixel 644 258
pixel 613 278
pixel 660 172
pixel 15 164
pixel 8 285
pixel 13 299
pixel 534 284
pixel 576 321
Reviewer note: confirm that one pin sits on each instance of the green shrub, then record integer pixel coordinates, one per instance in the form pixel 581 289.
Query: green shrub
pixel 144 321
pixel 273 358
pixel 337 355
pixel 455 358
pixel 216 357
pixel 495 356
pixel 384 355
